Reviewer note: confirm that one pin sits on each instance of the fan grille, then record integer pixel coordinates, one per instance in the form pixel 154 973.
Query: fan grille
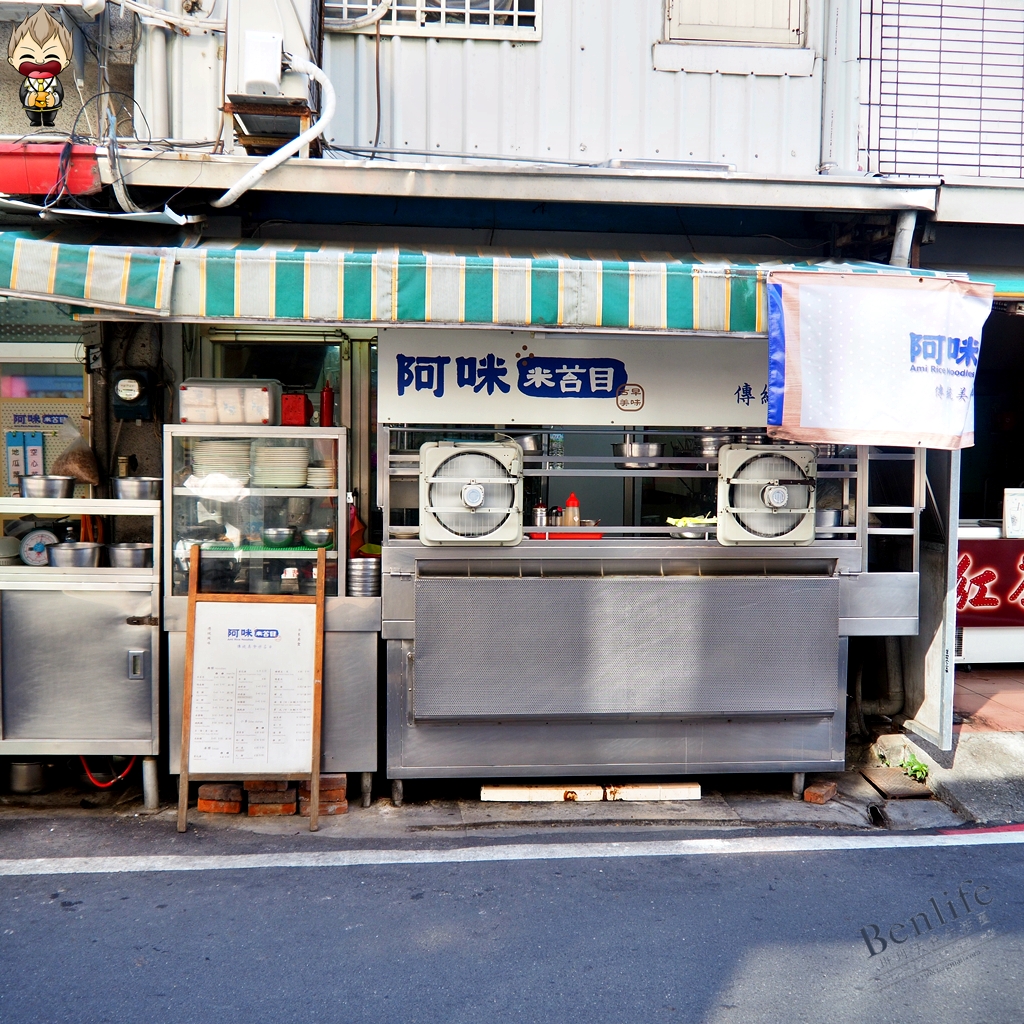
pixel 444 494
pixel 746 498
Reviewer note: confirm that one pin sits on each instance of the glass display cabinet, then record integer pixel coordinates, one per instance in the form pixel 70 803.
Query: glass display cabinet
pixel 259 502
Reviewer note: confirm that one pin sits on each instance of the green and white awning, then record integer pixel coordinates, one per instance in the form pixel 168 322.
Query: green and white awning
pixel 333 284
pixel 59 268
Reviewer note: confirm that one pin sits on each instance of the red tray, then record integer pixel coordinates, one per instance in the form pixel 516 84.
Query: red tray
pixel 566 536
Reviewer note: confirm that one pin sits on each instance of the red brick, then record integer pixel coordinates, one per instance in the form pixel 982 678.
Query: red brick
pixel 229 791
pixel 820 792
pixel 326 806
pixel 335 783
pixel 265 786
pixel 220 806
pixel 259 810
pixel 281 797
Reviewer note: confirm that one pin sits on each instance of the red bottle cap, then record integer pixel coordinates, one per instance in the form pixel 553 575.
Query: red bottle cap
pixel 572 501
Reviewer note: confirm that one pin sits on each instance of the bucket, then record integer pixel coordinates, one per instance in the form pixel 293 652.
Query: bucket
pixel 27 777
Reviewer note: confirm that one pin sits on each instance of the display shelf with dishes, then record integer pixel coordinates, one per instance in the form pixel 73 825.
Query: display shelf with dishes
pixel 259 502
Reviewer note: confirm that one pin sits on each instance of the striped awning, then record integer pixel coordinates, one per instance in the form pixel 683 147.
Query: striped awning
pixel 331 284
pixel 61 268
pixel 336 284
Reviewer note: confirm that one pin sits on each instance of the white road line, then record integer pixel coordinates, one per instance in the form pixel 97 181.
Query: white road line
pixel 485 854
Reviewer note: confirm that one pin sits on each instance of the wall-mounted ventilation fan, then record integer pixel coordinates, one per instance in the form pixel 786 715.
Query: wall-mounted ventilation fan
pixel 471 493
pixel 766 494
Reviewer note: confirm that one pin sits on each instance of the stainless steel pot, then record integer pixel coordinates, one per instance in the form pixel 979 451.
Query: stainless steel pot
pixel 130 556
pixel 137 488
pixel 827 517
pixel 635 451
pixel 78 554
pixel 46 486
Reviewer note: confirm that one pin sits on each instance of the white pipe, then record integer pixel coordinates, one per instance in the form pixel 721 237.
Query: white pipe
pixel 354 24
pixel 903 242
pixel 179 21
pixel 159 120
pixel 265 166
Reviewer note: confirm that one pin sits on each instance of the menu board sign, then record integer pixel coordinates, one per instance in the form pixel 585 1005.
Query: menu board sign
pixel 252 688
pixel 990 583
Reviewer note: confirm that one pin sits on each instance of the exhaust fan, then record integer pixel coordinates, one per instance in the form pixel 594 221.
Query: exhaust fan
pixel 766 494
pixel 471 493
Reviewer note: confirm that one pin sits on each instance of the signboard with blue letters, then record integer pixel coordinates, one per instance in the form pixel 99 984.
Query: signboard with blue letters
pixel 464 376
pixel 874 359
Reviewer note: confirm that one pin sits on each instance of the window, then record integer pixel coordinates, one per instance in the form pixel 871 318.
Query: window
pixel 764 22
pixel 447 19
pixel 941 87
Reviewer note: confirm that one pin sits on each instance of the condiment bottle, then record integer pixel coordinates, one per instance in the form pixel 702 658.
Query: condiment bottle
pixel 572 511
pixel 327 404
pixel 540 514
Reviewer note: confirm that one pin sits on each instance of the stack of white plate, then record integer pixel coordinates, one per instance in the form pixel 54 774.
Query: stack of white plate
pixel 231 458
pixel 324 476
pixel 280 466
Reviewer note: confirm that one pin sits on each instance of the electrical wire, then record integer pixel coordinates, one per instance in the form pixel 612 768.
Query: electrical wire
pixel 376 59
pixel 105 785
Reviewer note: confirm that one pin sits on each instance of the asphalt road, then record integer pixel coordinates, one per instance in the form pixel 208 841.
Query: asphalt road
pixel 731 937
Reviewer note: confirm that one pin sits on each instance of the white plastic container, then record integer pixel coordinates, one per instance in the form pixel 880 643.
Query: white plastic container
pixel 230 400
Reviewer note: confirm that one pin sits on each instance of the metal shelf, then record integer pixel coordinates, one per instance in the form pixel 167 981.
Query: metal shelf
pixel 82 506
pixel 260 492
pixel 250 553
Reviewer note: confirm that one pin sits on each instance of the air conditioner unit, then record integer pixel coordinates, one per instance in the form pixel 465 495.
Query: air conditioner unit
pixel 766 494
pixel 471 493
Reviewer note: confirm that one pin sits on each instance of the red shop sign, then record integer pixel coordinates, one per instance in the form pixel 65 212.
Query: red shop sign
pixel 990 583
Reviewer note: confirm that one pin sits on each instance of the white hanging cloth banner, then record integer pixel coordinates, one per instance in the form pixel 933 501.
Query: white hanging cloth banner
pixel 878 359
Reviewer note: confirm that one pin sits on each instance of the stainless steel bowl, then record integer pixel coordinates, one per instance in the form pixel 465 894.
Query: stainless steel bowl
pixel 318 537
pixel 711 440
pixel 130 556
pixel 278 536
pixel 46 486
pixel 74 554
pixel 634 451
pixel 137 488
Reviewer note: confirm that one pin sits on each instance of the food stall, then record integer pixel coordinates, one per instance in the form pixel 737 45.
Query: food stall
pixel 990 587
pixel 260 501
pixel 620 641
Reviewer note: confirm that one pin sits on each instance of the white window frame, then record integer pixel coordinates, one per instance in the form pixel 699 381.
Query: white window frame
pixel 702 30
pixel 414 18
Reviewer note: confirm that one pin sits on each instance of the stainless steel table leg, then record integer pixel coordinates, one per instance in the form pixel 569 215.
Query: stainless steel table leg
pixel 798 785
pixel 396 792
pixel 366 784
pixel 150 787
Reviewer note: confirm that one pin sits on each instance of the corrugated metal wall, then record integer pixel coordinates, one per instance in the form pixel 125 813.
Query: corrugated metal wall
pixel 586 93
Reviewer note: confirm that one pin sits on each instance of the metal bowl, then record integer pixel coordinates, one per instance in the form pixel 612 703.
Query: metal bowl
pixel 652 451
pixel 137 488
pixel 74 554
pixel 318 537
pixel 278 536
pixel 130 556
pixel 46 486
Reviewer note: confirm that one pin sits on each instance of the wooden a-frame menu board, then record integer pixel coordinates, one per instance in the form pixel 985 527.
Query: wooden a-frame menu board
pixel 253 687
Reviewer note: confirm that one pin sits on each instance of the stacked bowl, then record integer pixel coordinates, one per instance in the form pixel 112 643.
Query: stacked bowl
pixel 280 466
pixel 323 475
pixel 364 577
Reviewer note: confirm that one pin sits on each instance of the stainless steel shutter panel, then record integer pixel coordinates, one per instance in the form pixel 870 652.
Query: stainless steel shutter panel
pixel 570 647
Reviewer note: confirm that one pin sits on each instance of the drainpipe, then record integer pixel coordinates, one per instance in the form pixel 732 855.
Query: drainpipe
pixel 901 244
pixel 157 115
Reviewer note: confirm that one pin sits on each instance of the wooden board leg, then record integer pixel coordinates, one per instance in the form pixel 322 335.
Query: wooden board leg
pixel 182 798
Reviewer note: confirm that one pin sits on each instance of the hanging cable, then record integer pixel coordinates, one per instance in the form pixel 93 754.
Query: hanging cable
pixel 267 164
pixel 376 61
